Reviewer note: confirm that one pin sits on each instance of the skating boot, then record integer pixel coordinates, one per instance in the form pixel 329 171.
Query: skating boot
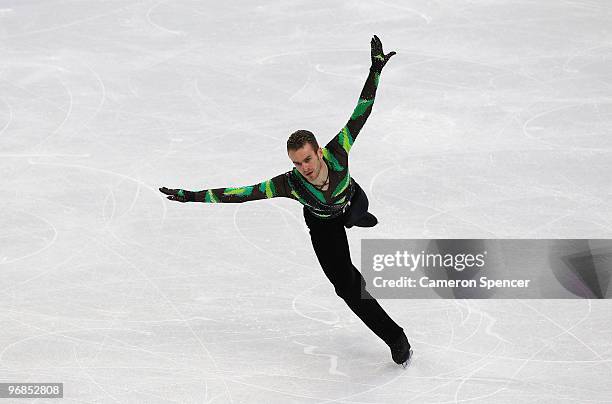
pixel 369 220
pixel 401 351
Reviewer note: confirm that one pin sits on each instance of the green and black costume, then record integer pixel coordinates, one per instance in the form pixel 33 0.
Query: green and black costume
pixel 326 215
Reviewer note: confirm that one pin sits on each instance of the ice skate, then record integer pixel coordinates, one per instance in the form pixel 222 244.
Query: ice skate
pixel 369 220
pixel 401 351
pixel 407 362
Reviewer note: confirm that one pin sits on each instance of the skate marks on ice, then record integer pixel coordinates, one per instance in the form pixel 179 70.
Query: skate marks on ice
pixel 299 299
pixel 514 356
pixel 577 127
pixel 53 28
pixel 30 235
pixel 333 359
pixel 9 118
pixel 163 29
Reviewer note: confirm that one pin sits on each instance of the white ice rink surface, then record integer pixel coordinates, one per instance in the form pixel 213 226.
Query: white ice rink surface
pixel 494 120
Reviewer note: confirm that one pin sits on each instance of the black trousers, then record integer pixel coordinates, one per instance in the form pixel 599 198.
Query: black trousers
pixel 332 249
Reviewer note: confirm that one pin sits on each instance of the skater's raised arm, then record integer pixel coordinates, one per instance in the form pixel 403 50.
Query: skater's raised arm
pixel 349 132
pixel 272 188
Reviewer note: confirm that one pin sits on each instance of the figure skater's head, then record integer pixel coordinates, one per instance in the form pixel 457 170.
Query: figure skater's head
pixel 305 153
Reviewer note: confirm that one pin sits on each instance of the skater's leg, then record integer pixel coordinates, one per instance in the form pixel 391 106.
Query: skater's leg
pixel 332 249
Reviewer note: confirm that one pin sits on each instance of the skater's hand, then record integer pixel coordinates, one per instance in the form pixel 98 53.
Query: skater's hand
pixel 179 195
pixel 379 59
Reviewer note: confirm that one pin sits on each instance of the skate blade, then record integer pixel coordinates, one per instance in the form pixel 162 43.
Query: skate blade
pixel 408 361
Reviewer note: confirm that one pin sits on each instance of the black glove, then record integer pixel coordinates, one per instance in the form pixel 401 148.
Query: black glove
pixel 179 195
pixel 379 59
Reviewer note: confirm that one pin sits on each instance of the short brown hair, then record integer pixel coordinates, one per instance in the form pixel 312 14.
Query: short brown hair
pixel 299 138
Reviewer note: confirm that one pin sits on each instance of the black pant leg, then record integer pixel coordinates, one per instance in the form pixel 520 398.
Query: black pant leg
pixel 332 250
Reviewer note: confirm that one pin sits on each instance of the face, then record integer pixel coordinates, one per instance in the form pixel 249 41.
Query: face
pixel 307 161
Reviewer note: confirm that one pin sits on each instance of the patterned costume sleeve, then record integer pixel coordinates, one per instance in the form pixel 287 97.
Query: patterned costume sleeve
pixel 347 135
pixel 272 188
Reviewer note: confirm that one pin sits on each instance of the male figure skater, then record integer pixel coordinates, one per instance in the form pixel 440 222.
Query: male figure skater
pixel 332 201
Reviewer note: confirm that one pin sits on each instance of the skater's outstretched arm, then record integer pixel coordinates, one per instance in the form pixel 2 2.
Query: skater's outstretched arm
pixel 349 132
pixel 272 188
